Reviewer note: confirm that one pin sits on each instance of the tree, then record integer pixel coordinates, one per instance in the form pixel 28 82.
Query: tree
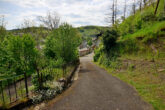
pixel 140 5
pixel 115 11
pixel 51 20
pixel 28 26
pixel 2 28
pixel 49 50
pixel 5 60
pixel 145 2
pixel 157 5
pixel 23 52
pixel 134 7
pixel 66 42
pixel 89 41
pixel 63 44
pixel 112 16
pixel 109 40
pixel 125 9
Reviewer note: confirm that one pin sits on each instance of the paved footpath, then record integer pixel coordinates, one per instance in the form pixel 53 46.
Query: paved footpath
pixel 95 89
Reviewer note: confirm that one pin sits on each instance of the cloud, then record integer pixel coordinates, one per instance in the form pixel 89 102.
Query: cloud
pixel 76 12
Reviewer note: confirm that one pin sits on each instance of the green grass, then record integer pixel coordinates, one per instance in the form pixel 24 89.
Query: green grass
pixel 141 46
pixel 146 32
pixel 147 83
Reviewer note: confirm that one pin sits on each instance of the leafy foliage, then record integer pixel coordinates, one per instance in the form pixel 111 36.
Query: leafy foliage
pixel 109 39
pixel 141 38
pixel 23 52
pixel 63 43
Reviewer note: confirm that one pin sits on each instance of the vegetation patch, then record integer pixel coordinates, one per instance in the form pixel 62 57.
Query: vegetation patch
pixel 136 53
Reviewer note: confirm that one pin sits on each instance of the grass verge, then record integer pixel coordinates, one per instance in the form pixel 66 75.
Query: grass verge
pixel 141 74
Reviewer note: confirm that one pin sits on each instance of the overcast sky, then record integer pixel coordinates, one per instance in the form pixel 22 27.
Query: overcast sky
pixel 75 12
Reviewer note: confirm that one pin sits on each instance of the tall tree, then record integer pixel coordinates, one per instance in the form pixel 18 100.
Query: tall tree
pixel 115 13
pixel 140 5
pixel 145 2
pixel 51 20
pixel 125 9
pixel 28 26
pixel 157 5
pixel 2 27
pixel 134 7
pixel 23 52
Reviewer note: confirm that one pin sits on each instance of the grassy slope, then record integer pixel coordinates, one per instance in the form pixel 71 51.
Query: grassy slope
pixel 143 75
pixel 142 59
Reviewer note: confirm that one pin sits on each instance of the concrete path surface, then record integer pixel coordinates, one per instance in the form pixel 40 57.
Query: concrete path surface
pixel 95 89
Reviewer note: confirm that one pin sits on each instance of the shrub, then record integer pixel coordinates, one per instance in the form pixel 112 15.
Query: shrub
pixel 43 95
pixel 97 52
pixel 128 46
pixel 150 38
pixel 35 81
pixel 109 40
pixel 46 94
pixel 148 16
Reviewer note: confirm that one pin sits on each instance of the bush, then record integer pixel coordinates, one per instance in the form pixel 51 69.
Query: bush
pixel 148 16
pixel 97 52
pixel 46 94
pixel 128 46
pixel 35 81
pixel 150 38
pixel 43 95
pixel 109 40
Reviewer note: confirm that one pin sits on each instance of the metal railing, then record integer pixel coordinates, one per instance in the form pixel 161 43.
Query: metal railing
pixel 13 89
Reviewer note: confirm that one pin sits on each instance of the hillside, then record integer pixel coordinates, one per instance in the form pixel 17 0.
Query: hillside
pixel 91 31
pixel 90 35
pixel 134 51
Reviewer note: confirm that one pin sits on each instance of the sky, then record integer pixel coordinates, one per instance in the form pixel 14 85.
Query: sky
pixel 75 12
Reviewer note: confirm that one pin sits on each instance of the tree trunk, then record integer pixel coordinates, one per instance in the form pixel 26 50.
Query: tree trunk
pixel 144 1
pixel 39 78
pixel 157 5
pixel 113 13
pixel 26 85
pixel 115 10
pixel 140 5
pixel 125 8
pixel 134 7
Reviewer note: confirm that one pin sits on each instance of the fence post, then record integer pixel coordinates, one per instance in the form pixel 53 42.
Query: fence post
pixel 9 90
pixel 15 88
pixel 26 86
pixel 3 99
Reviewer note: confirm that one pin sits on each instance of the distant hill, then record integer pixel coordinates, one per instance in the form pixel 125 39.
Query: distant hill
pixel 91 31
